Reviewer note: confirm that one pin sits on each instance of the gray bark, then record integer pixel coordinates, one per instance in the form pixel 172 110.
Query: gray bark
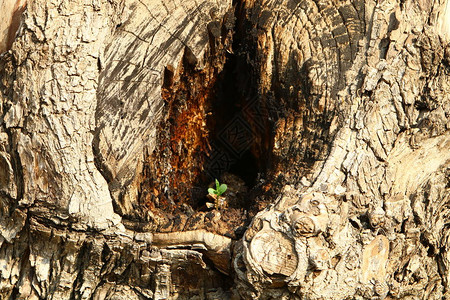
pixel 113 112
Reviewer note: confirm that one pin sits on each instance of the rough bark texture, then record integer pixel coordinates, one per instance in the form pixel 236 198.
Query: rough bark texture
pixel 328 120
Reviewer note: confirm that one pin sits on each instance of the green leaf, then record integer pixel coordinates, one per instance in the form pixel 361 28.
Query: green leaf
pixel 217 184
pixel 222 188
pixel 212 191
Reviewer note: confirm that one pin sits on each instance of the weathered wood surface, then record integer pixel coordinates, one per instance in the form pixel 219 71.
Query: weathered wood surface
pixel 385 166
pixel 358 181
pixel 9 21
pixel 153 39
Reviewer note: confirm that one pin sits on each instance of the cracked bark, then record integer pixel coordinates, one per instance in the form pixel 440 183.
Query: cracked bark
pixel 114 114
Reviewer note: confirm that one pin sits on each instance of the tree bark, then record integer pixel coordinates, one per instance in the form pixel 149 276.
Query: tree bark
pixel 328 121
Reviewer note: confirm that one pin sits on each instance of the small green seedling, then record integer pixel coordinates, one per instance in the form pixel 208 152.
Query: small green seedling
pixel 220 189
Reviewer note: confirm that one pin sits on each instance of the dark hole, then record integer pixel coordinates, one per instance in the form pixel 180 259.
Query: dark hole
pixel 235 140
pixel 246 168
pixel 354 224
pixel 239 127
pixel 426 243
pixel 393 22
pixel 14 293
pixel 384 46
pixel 364 219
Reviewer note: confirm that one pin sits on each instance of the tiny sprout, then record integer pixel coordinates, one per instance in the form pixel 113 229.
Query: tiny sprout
pixel 220 189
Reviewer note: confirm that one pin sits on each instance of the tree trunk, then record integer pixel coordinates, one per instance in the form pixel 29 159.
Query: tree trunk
pixel 328 121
